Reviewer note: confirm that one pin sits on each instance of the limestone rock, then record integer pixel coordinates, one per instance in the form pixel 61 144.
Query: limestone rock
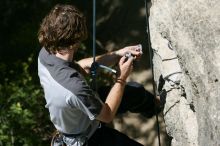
pixel 185 37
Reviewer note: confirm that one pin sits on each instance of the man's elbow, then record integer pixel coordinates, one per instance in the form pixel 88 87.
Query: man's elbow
pixel 106 120
pixel 106 114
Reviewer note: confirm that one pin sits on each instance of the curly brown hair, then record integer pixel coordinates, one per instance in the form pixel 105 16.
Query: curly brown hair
pixel 63 27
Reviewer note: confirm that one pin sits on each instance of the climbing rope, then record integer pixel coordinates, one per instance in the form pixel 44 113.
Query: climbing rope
pixel 94 64
pixel 151 65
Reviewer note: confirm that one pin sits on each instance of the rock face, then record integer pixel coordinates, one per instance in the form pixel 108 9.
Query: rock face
pixel 185 37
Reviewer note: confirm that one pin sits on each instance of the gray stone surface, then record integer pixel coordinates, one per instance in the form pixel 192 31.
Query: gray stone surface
pixel 185 37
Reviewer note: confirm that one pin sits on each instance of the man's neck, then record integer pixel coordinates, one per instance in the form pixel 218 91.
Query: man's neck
pixel 68 56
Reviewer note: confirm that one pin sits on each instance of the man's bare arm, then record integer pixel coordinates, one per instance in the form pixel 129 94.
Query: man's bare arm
pixel 114 97
pixel 111 58
pixel 107 59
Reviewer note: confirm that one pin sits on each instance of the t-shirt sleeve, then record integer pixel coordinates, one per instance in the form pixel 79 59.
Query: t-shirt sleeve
pixel 85 99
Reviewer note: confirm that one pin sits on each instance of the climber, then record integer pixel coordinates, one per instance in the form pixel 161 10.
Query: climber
pixel 77 112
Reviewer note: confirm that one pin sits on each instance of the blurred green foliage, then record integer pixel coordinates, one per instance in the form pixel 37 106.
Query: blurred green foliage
pixel 23 117
pixel 24 120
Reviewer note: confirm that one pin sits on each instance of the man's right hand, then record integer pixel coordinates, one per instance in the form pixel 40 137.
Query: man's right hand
pixel 125 67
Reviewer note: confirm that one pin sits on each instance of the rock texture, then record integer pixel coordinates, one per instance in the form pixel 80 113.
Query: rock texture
pixel 185 37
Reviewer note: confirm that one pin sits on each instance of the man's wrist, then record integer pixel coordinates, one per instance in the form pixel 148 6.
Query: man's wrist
pixel 121 81
pixel 117 54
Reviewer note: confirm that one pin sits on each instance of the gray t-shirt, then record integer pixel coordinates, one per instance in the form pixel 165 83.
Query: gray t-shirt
pixel 72 105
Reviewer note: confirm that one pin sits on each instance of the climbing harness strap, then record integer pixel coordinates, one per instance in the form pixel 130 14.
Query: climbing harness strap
pixel 151 65
pixel 57 139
